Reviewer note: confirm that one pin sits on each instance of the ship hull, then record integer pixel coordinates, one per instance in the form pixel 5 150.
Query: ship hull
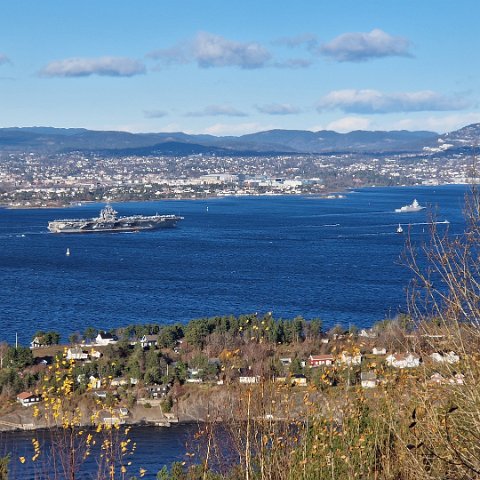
pixel 119 226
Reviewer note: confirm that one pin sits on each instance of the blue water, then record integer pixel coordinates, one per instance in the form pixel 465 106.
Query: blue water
pixel 155 447
pixel 334 259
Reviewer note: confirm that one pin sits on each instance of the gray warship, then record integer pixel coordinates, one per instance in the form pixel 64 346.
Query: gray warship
pixel 109 222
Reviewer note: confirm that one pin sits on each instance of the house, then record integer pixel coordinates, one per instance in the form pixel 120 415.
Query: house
pixel 38 342
pixel 28 398
pixel 445 357
pixel 247 376
pixel 320 360
pixel 379 351
pixel 149 341
pixel 94 382
pixel 249 379
pixel 119 381
pixel 367 334
pixel 324 340
pixel 104 338
pixel 76 353
pixel 95 353
pixel 299 380
pixel 403 360
pixel 156 391
pixel 368 379
pixel 286 361
pixel 350 360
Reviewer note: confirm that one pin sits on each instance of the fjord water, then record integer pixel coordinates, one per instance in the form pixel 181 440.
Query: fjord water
pixel 337 259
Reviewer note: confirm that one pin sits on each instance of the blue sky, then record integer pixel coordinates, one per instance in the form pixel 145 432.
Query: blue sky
pixel 229 68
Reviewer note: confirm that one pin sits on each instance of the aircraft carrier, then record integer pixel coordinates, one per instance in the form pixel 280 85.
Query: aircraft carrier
pixel 109 222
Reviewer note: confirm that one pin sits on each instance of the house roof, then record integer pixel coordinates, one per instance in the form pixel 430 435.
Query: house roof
pixel 320 357
pixel 105 335
pixel 25 395
pixel 150 338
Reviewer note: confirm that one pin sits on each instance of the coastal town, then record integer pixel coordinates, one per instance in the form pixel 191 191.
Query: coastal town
pixel 51 180
pixel 151 374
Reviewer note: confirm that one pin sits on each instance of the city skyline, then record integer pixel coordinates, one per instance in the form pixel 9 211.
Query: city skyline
pixel 228 69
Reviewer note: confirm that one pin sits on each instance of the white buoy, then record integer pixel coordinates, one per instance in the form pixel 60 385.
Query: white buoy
pixel 67 253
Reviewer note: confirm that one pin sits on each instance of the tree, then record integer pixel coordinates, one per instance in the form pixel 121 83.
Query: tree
pixel 196 332
pixel 20 357
pixel 4 462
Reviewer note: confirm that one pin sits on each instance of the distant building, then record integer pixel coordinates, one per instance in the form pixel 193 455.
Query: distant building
pixel 350 360
pixel 38 342
pixel 379 351
pixel 104 338
pixel 149 341
pixel 76 353
pixel 445 357
pixel 403 360
pixel 28 398
pixel 320 360
pixel 368 379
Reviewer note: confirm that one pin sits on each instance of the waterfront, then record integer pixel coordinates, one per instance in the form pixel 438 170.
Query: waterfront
pixel 334 259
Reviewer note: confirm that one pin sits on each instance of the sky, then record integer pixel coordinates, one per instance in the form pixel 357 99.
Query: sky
pixel 225 67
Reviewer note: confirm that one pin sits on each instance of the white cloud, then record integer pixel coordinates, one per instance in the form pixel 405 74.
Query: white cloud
pixel 210 50
pixel 236 129
pixel 349 124
pixel 374 101
pixel 278 109
pixel 362 46
pixel 216 51
pixel 84 67
pixel 441 124
pixel 154 113
pixel 217 110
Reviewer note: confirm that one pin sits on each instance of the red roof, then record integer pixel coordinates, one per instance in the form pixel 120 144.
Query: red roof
pixel 25 395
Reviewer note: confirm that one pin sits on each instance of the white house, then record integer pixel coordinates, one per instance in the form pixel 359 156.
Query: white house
pixel 94 382
pixel 28 398
pixel 149 341
pixel 37 342
pixel 119 381
pixel 104 338
pixel 367 334
pixel 445 357
pixel 403 360
pixel 320 360
pixel 379 351
pixel 368 379
pixel 76 353
pixel 249 379
pixel 349 359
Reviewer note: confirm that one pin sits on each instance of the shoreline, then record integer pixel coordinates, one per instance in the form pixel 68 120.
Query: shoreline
pixel 329 194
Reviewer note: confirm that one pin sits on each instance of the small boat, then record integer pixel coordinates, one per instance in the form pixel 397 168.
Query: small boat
pixel 413 207
pixel 67 253
pixel 399 229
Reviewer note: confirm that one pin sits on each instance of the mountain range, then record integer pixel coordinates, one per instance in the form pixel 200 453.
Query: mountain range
pixel 58 140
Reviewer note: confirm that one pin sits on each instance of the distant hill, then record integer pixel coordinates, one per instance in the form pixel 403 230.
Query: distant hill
pixel 54 140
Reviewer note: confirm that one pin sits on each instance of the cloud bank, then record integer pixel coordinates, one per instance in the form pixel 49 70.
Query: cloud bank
pixel 363 46
pixel 84 67
pixel 278 109
pixel 209 50
pixel 374 101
